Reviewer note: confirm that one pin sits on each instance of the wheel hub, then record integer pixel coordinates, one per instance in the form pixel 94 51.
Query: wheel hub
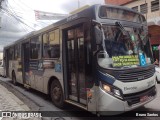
pixel 56 93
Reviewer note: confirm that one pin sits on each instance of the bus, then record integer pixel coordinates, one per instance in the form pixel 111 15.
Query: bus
pixel 98 59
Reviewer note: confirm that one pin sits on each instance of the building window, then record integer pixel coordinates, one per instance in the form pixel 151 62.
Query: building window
pixel 154 5
pixel 51 45
pixel 35 47
pixel 143 8
pixel 135 8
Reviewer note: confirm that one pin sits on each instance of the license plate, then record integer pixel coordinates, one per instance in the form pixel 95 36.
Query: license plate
pixel 143 98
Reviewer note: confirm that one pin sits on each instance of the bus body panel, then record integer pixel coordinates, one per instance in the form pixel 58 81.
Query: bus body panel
pixel 92 99
pixel 114 106
pixel 14 66
pixel 133 87
pixel 47 77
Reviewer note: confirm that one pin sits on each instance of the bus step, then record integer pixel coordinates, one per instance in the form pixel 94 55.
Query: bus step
pixel 76 104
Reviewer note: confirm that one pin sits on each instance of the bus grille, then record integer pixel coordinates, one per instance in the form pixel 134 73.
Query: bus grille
pixel 134 98
pixel 136 75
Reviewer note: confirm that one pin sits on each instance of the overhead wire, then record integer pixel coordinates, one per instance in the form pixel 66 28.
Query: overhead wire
pixel 20 19
pixel 10 15
pixel 17 18
pixel 44 23
pixel 14 14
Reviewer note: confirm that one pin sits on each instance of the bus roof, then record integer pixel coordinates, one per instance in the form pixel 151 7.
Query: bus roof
pixel 88 12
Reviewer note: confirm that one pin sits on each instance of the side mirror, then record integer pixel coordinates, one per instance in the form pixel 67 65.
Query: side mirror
pixel 98 35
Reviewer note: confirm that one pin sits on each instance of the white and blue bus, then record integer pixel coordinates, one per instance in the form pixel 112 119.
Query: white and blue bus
pixel 98 59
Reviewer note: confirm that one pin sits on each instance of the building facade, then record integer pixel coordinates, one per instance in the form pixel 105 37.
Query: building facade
pixel 118 2
pixel 151 10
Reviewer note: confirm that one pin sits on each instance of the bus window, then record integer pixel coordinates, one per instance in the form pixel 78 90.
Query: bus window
pixel 17 52
pixel 35 48
pixel 51 47
pixel 11 53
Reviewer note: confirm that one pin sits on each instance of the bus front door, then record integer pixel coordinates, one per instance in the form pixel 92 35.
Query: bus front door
pixel 26 57
pixel 76 65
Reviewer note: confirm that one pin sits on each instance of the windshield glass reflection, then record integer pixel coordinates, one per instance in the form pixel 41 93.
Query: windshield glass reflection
pixel 121 49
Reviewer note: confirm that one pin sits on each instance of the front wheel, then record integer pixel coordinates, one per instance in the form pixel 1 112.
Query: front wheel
pixel 56 93
pixel 157 80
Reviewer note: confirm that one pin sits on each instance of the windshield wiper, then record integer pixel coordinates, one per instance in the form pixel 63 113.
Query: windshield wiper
pixel 144 39
pixel 123 30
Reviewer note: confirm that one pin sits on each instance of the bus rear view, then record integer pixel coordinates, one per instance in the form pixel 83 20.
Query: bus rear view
pixel 125 74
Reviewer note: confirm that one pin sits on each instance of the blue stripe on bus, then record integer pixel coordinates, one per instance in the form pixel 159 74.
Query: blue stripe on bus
pixel 105 78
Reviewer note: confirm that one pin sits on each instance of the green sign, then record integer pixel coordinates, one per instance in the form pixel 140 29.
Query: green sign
pixel 132 37
pixel 155 48
pixel 127 60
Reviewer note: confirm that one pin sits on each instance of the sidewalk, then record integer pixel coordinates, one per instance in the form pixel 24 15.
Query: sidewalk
pixel 9 102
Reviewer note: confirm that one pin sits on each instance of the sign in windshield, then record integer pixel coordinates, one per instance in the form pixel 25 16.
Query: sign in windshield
pixel 127 60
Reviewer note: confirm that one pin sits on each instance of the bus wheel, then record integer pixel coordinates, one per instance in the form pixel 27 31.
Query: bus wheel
pixel 157 80
pixel 57 94
pixel 14 78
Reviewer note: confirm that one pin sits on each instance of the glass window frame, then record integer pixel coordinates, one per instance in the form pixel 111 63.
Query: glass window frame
pixel 139 20
pixel 40 49
pixel 144 8
pixel 48 33
pixel 154 5
pixel 17 48
pixel 12 53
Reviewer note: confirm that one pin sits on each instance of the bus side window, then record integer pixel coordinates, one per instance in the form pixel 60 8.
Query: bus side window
pixel 51 46
pixel 45 46
pixel 17 51
pixel 35 48
pixel 11 53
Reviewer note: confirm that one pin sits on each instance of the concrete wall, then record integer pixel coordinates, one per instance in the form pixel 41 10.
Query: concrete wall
pixel 149 15
pixel 117 2
pixel 134 3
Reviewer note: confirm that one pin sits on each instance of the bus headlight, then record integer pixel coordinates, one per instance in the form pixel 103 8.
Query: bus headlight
pixel 111 90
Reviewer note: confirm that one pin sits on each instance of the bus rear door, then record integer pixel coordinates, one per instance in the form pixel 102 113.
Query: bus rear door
pixel 25 61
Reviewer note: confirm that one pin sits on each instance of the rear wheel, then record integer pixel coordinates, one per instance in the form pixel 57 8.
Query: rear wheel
pixel 56 93
pixel 14 78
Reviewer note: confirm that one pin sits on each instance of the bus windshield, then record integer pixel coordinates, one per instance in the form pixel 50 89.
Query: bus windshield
pixel 127 47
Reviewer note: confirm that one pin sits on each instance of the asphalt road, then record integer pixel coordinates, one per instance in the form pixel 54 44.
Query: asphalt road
pixel 38 101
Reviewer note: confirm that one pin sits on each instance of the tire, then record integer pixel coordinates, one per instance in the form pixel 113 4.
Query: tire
pixel 56 94
pixel 14 79
pixel 156 79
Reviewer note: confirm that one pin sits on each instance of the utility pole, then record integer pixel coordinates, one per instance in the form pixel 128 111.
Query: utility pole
pixel 0 11
pixel 147 9
pixel 78 4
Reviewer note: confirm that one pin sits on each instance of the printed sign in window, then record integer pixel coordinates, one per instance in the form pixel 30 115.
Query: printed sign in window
pixel 127 60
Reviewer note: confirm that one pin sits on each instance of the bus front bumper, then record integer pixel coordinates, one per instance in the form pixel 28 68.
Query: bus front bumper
pixel 110 105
